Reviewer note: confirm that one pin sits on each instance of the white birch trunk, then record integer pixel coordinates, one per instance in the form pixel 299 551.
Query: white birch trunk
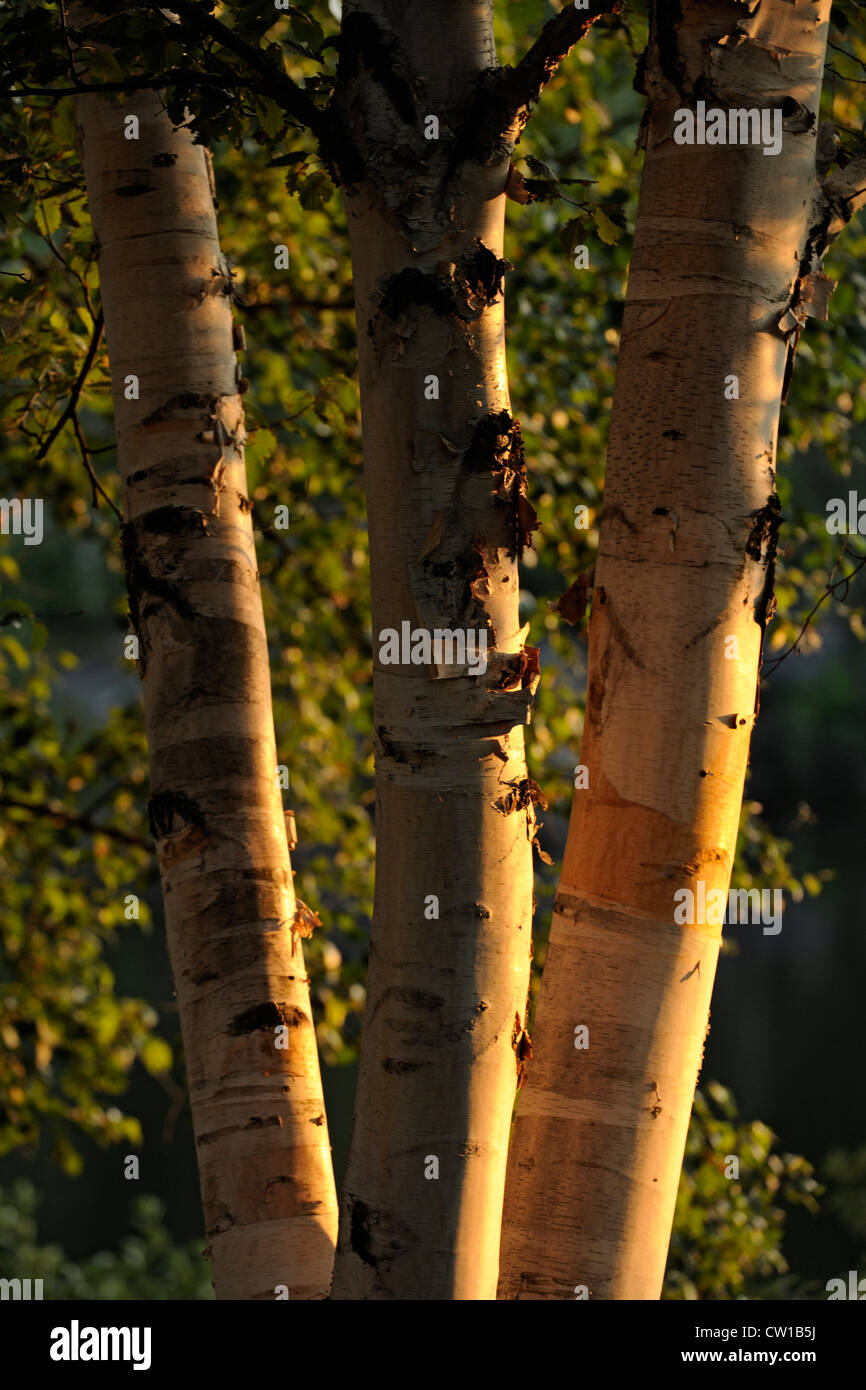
pixel 216 814
pixel 726 265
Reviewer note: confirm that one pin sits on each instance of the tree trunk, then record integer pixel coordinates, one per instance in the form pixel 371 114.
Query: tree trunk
pixel 215 809
pixel 447 515
pixel 726 265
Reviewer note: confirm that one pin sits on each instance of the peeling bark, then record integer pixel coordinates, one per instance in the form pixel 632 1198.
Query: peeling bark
pixel 215 809
pixel 725 265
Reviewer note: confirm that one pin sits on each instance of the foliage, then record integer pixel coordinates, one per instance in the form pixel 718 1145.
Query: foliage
pixel 146 1264
pixel 727 1235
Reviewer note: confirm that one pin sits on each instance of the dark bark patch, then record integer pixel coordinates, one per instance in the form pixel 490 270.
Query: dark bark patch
pixel 385 747
pixel 672 434
pixel 521 1043
pixel 662 55
pixel 173 521
pixel 521 797
pixel 224 1222
pixel 705 631
pixel 520 671
pixel 455 581
pixel 362 43
pixel 418 998
pixel 255 1122
pixel 762 546
pixel 361 1218
pixel 697 864
pixel 497 447
pixel 187 400
pixel 132 190
pixel 265 1018
pixel 597 683
pixel 480 276
pixel 497 442
pixel 764 530
pixel 477 281
pixel 141 583
pixel 204 979
pixel 170 812
pixel 398 1066
pixel 414 288
pixel 163 160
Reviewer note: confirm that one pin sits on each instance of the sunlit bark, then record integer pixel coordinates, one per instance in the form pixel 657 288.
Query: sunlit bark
pixel 447 516
pixel 215 809
pixel 726 265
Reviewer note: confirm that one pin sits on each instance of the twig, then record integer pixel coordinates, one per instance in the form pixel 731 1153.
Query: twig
pixel 70 269
pixel 96 485
pixel 844 582
pixel 65 27
pixel 76 389
pixel 148 81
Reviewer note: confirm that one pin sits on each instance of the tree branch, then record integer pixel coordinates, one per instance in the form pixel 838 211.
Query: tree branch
pixel 52 810
pixel 148 81
pixel 293 98
pixel 843 583
pixel 76 389
pixel 506 96
pixel 522 86
pixel 96 486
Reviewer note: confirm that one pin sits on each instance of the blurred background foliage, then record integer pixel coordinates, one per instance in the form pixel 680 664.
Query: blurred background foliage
pixel 91 1064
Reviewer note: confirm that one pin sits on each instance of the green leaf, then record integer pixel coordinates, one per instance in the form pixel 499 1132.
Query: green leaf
pixel 572 235
pixel 315 192
pixel 271 119
pixel 609 232
pixel 538 167
pixel 259 448
pixel 542 190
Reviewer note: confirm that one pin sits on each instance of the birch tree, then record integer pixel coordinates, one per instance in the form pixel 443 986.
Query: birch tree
pixel 419 131
pixel 233 923
pixel 726 267
pixel 425 127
